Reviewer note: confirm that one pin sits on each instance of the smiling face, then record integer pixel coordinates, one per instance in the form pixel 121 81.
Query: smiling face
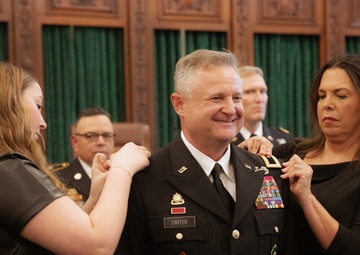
pixel 33 102
pixel 213 114
pixel 338 108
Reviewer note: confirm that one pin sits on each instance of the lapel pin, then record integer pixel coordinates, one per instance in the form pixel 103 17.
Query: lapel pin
pixel 248 166
pixel 182 169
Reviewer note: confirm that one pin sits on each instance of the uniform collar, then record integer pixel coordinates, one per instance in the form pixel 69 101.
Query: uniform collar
pixel 207 163
pixel 86 167
pixel 246 133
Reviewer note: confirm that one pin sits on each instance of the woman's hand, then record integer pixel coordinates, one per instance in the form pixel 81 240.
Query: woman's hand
pixel 99 170
pixel 299 174
pixel 257 145
pixel 131 158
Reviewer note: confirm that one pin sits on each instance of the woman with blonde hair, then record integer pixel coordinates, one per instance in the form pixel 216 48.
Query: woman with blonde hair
pixel 35 215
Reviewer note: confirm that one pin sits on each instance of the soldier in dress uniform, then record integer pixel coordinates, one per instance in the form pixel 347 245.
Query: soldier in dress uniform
pixel 176 205
pixel 255 99
pixel 94 133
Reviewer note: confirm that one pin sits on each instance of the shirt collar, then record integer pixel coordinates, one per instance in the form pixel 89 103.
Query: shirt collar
pixel 207 163
pixel 86 167
pixel 246 133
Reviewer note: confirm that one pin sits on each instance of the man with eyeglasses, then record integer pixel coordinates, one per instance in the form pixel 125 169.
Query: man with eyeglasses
pixel 94 133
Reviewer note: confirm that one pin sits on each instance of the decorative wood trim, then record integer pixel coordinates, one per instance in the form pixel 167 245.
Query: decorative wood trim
pixel 242 34
pixel 6 17
pixel 287 12
pixel 335 26
pixel 195 10
pixel 24 34
pixel 141 64
pixel 352 16
pixel 206 15
pixel 5 10
pixel 354 13
pixel 83 8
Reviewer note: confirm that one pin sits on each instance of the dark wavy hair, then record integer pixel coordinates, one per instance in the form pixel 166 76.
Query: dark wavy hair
pixel 350 63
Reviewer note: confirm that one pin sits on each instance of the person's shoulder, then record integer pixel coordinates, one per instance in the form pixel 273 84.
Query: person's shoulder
pixel 284 130
pixel 277 136
pixel 12 155
pixel 64 168
pixel 11 158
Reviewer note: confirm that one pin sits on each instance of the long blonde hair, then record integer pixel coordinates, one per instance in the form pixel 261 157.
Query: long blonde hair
pixel 15 132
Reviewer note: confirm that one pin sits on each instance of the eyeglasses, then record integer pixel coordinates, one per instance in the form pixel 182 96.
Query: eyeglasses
pixel 93 137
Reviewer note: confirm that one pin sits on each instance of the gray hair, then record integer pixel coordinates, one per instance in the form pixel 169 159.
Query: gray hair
pixel 200 60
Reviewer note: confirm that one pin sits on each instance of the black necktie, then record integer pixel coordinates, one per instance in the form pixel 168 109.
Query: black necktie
pixel 221 190
pixel 252 135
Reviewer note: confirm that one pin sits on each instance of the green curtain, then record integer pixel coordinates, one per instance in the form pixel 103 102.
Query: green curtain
pixel 352 44
pixel 4 52
pixel 83 67
pixel 289 63
pixel 167 53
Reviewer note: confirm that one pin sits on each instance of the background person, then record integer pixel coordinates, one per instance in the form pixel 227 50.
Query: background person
pixel 35 216
pixel 255 99
pixel 175 205
pixel 94 133
pixel 324 173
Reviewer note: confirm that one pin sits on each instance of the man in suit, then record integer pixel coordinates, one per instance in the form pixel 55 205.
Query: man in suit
pixel 176 205
pixel 255 99
pixel 94 133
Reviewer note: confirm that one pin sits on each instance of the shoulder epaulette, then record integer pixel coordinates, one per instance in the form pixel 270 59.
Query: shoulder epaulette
pixel 271 162
pixel 58 166
pixel 284 130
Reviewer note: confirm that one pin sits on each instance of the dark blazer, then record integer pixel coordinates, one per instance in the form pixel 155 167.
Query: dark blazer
pixel 70 176
pixel 198 223
pixel 276 136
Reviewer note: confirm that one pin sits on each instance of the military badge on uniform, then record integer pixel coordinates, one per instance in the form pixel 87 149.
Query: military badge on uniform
pixel 269 196
pixel 248 166
pixel 75 196
pixel 182 169
pixel 177 200
pixel 262 168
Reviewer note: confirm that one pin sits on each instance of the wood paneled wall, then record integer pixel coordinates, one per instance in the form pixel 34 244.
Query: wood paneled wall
pixel 331 20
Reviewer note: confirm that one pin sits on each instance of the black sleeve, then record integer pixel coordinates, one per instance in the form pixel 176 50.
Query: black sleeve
pixel 24 189
pixel 284 151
